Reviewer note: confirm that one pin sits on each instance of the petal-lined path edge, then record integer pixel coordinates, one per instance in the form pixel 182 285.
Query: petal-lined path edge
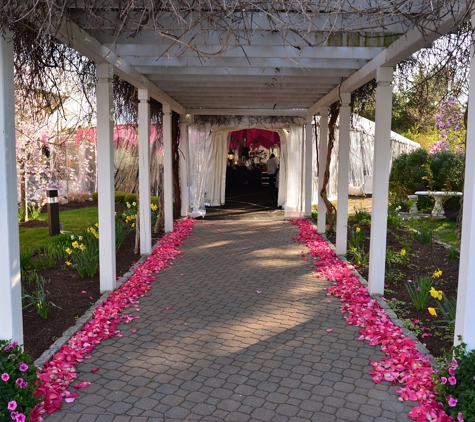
pixel 58 373
pixel 404 364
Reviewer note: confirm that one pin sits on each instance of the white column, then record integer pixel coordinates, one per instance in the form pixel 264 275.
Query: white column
pixel 465 315
pixel 322 160
pixel 167 167
pixel 11 326
pixel 144 173
pixel 308 166
pixel 343 169
pixel 105 172
pixel 184 165
pixel 381 165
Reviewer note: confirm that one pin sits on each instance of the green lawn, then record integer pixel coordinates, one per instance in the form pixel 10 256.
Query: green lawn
pixel 73 221
pixel 443 230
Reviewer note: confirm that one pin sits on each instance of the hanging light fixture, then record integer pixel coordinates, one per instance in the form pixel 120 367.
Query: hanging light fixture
pixel 230 154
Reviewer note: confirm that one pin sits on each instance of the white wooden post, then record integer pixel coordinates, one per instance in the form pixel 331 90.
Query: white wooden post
pixel 343 169
pixel 322 160
pixel 308 166
pixel 144 173
pixel 381 165
pixel 184 153
pixel 465 315
pixel 167 167
pixel 11 326
pixel 105 171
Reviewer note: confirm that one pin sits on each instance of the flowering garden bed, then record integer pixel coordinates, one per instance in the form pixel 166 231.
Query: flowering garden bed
pixel 403 364
pixel 410 258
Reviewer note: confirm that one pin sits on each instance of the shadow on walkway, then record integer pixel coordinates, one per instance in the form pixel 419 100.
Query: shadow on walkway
pixel 246 340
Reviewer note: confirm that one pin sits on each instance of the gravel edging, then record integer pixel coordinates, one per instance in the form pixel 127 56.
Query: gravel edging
pixel 61 341
pixel 392 315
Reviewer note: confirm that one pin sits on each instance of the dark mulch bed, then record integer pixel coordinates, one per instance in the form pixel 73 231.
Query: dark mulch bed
pixel 66 291
pixel 422 259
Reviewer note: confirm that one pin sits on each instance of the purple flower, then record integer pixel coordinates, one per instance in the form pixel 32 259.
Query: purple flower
pixel 20 417
pixel 452 381
pixel 23 366
pixel 454 363
pixel 443 380
pixel 459 417
pixel 452 402
pixel 15 344
pixel 12 405
pixel 14 415
pixel 5 377
pixel 19 381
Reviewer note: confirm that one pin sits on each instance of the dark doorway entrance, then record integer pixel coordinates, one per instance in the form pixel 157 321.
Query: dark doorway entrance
pixel 247 201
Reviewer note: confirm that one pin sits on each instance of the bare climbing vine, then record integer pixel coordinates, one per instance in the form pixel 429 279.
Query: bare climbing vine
pixel 331 210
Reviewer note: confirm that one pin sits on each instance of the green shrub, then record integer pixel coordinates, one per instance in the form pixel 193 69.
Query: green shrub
pixel 120 197
pixel 418 170
pixel 95 196
pixel 408 174
pixel 447 169
pixel 130 198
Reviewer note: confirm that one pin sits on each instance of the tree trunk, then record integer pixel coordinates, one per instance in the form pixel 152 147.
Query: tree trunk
pixel 175 165
pixel 160 223
pixel 331 210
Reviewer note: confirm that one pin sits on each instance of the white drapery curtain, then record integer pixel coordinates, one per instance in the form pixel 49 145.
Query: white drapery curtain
pixel 208 161
pixel 361 154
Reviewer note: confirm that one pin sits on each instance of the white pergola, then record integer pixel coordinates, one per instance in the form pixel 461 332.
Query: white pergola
pixel 285 65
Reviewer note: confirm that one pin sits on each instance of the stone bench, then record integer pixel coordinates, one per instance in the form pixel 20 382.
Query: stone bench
pixel 439 196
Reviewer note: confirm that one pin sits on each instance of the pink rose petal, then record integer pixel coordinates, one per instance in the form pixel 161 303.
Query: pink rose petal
pixel 329 330
pixel 95 369
pixel 169 308
pixel 258 292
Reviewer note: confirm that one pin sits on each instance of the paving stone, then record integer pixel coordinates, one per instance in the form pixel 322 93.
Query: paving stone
pixel 225 353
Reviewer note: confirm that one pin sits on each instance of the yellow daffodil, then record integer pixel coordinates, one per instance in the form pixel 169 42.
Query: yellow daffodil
pixel 128 205
pixel 436 293
pixel 358 230
pixel 403 252
pixel 68 263
pixel 134 203
pixel 437 274
pixel 75 244
pixel 82 247
pixel 153 207
pixel 133 225
pixel 432 311
pixel 69 251
pixel 97 225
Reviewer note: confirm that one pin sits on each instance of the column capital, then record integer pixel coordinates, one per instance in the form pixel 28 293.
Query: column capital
pixel 384 76
pixel 143 94
pixel 104 73
pixel 345 99
pixel 166 109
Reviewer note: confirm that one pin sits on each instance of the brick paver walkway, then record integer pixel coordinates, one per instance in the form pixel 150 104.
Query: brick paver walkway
pixel 227 353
